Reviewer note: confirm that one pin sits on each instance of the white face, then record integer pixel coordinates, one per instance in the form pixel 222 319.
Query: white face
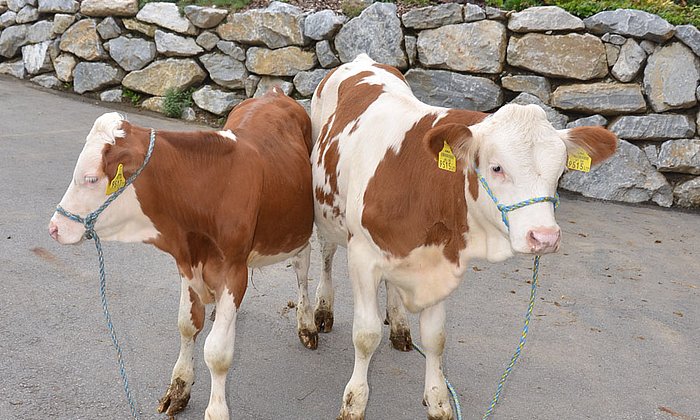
pixel 121 220
pixel 522 156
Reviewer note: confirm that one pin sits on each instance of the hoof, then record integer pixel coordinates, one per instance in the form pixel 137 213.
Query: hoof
pixel 175 399
pixel 401 339
pixel 350 416
pixel 309 339
pixel 324 320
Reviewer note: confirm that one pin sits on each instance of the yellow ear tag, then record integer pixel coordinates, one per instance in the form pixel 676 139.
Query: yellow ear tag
pixel 117 182
pixel 446 160
pixel 579 161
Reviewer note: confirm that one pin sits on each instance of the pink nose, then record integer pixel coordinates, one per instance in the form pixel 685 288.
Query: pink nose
pixel 53 230
pixel 544 240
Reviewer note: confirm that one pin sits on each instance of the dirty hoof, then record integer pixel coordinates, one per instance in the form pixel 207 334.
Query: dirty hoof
pixel 324 320
pixel 349 416
pixel 401 339
pixel 309 339
pixel 175 399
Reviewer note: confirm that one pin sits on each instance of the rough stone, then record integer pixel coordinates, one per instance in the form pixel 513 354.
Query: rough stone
pixel 551 55
pixel 648 46
pixel 544 18
pixel 535 85
pixel 82 40
pixel 667 76
pixel 108 28
pixel 188 114
pixel 27 14
pixel 205 17
pixel 411 43
pixel 454 90
pixel 216 101
pixel 251 85
pixel 11 39
pixel 306 104
pixel 112 95
pixel 269 27
pixel 36 58
pixel 323 25
pixel 144 28
pixel 286 61
pixel 557 119
pixel 16 5
pixel 494 13
pixel 477 47
pixel 614 39
pixel 58 6
pixel 472 13
pixel 600 98
pixel 3 6
pixel 154 104
pixel 433 16
pixel 89 77
pixel 225 70
pixel 680 156
pixel 171 45
pixel 326 56
pixel 101 8
pixel 14 68
pixel 612 53
pixel 207 40
pixel 61 22
pixel 64 65
pixel 162 75
pixel 652 153
pixel 7 19
pixel 377 33
pixel 687 194
pixel 653 127
pixel 231 48
pixel 630 61
pixel 266 83
pixel 627 176
pixel 48 81
pixel 132 53
pixel 690 36
pixel 40 32
pixel 593 120
pixel 305 82
pixel 628 22
pixel 166 15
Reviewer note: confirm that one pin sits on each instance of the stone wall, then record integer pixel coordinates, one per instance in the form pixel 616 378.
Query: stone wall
pixel 628 70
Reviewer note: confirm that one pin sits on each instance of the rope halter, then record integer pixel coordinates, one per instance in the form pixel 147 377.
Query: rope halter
pixel 90 220
pixel 505 209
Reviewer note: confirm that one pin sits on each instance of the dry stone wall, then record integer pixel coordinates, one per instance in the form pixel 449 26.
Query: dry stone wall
pixel 628 70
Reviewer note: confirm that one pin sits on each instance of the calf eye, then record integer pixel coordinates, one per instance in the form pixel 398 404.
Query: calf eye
pixel 90 179
pixel 496 169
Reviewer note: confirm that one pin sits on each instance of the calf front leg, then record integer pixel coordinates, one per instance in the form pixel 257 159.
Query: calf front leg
pixel 323 314
pixel 190 321
pixel 432 331
pixel 306 326
pixel 399 330
pixel 218 347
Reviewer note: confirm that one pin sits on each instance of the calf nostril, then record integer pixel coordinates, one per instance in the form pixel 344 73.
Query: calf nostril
pixel 53 231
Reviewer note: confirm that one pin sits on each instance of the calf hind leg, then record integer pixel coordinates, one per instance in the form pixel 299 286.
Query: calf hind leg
pixel 190 321
pixel 400 331
pixel 306 326
pixel 323 314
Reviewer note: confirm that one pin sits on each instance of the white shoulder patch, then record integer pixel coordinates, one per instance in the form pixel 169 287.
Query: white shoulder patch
pixel 228 134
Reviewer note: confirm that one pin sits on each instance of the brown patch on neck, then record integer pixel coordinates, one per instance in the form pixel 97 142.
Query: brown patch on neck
pixel 410 202
pixel 469 118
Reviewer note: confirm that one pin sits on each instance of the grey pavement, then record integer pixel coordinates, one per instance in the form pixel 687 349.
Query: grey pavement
pixel 615 331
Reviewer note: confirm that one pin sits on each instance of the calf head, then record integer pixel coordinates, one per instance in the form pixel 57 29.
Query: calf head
pixel 520 156
pixel 106 146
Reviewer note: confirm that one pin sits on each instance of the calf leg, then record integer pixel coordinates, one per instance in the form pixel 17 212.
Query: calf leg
pixel 190 321
pixel 323 314
pixel 432 331
pixel 306 327
pixel 366 333
pixel 400 332
pixel 218 347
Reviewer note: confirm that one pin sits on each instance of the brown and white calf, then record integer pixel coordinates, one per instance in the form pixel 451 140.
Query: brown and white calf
pixel 379 191
pixel 218 202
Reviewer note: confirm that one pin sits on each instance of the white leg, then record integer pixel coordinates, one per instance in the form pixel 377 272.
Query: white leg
pixel 190 321
pixel 323 314
pixel 306 327
pixel 366 332
pixel 432 331
pixel 400 332
pixel 218 353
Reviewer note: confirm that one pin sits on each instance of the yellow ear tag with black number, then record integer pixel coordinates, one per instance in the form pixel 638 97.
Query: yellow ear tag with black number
pixel 579 161
pixel 117 182
pixel 446 160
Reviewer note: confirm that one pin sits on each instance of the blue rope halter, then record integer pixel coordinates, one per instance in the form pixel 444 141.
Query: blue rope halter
pixel 89 223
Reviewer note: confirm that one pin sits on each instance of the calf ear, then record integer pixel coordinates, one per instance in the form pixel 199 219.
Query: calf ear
pixel 598 142
pixel 457 136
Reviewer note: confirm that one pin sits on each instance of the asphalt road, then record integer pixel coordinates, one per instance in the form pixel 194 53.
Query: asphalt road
pixel 615 332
